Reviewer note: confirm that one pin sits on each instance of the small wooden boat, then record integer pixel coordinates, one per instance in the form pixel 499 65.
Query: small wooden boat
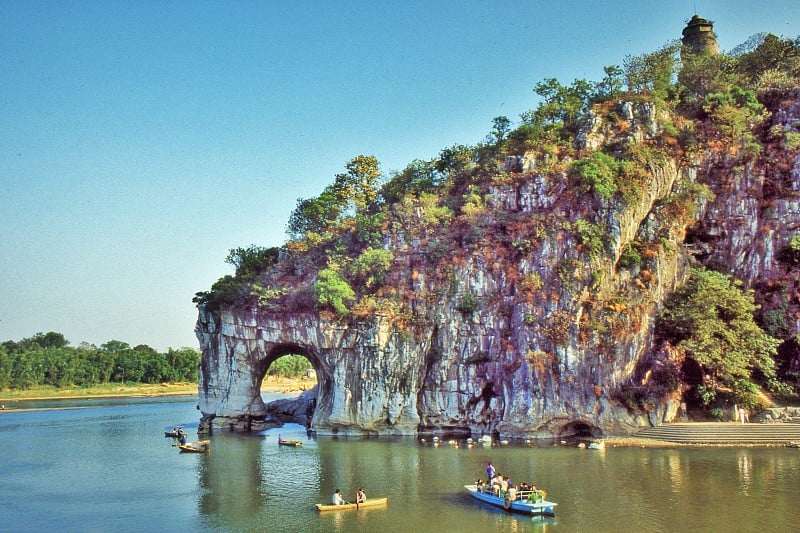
pixel 283 442
pixel 524 502
pixel 370 502
pixel 176 432
pixel 199 446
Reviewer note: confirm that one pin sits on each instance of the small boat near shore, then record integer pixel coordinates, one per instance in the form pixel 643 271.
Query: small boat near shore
pixel 524 501
pixel 176 432
pixel 199 446
pixel 295 443
pixel 370 502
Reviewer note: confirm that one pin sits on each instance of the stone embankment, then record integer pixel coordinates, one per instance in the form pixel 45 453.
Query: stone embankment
pixel 726 433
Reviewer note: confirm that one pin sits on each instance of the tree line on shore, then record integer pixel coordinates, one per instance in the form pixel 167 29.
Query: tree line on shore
pixel 47 359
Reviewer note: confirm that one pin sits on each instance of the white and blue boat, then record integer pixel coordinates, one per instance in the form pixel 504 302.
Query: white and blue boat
pixel 527 502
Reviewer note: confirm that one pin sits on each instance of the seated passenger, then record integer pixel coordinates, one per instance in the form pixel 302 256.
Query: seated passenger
pixel 512 493
pixel 361 496
pixel 337 498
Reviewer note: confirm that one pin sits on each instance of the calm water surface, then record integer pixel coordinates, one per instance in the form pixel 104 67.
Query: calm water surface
pixel 104 465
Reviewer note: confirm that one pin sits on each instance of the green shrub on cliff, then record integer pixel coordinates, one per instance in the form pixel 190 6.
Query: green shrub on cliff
pixel 711 319
pixel 598 174
pixel 372 266
pixel 332 290
pixel 252 260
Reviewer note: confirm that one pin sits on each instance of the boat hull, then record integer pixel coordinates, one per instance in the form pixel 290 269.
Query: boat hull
pixel 371 502
pixel 544 507
pixel 201 446
pixel 295 443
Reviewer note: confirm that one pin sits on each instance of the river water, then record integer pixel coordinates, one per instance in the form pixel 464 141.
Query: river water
pixel 105 466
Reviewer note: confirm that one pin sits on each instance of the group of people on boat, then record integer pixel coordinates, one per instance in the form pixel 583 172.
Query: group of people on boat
pixel 361 497
pixel 502 486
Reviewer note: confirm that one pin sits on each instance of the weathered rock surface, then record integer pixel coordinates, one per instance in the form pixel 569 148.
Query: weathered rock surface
pixel 555 333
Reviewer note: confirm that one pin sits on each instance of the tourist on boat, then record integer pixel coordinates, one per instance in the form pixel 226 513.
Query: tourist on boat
pixel 496 484
pixel 337 498
pixel 361 496
pixel 183 439
pixel 503 485
pixel 490 471
pixel 512 492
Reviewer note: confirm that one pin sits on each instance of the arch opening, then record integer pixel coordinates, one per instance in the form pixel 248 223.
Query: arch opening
pixel 289 374
pixel 297 372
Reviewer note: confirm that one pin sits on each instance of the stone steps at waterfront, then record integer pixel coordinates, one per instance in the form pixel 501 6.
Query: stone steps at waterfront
pixel 724 433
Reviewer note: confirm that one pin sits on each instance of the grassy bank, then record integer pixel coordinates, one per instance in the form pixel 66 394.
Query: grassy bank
pixel 110 390
pixel 98 391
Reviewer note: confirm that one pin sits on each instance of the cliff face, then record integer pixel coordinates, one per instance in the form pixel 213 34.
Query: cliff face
pixel 517 322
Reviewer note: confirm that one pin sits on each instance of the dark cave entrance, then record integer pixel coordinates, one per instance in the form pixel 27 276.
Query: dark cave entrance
pixel 578 429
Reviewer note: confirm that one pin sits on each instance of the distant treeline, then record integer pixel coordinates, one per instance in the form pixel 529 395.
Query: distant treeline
pixel 46 359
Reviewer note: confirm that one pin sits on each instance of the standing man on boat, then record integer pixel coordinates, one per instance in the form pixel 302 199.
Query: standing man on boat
pixel 489 470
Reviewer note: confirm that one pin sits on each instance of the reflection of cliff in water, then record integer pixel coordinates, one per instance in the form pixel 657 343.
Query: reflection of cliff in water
pixel 231 479
pixel 247 476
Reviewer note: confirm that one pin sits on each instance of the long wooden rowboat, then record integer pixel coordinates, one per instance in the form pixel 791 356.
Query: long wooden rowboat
pixel 199 446
pixel 290 443
pixel 371 502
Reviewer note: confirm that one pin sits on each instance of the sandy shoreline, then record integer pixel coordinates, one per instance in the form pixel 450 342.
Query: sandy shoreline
pixel 137 391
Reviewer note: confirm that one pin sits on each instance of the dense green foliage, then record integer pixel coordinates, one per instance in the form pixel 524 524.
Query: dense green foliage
pixel 252 260
pixel 45 359
pixel 711 320
pixel 332 290
pixel 598 174
pixel 372 266
pixel 289 366
pixel 352 192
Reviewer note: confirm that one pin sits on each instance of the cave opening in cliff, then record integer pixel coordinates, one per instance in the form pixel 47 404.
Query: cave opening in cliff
pixel 578 429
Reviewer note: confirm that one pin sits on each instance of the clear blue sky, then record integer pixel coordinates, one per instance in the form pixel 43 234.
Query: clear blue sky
pixel 141 141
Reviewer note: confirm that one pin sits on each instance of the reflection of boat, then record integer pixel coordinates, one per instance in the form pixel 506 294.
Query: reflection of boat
pixel 522 503
pixel 283 442
pixel 370 502
pixel 199 446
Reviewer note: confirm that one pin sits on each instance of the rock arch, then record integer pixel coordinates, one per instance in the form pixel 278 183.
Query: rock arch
pixel 368 375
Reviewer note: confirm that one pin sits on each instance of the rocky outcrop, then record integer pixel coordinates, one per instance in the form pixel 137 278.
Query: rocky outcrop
pixel 524 327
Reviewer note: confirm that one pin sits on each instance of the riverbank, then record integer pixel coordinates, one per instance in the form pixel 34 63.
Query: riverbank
pixel 134 390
